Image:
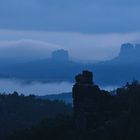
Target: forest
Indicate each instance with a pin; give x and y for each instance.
(18, 112)
(27, 118)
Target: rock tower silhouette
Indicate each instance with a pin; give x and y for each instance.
(87, 100)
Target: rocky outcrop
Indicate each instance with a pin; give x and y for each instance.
(87, 101)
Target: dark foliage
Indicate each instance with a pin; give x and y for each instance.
(19, 112)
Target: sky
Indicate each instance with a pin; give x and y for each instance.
(88, 29)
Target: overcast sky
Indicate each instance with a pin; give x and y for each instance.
(91, 28)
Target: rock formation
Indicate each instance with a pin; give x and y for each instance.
(60, 55)
(87, 101)
(130, 51)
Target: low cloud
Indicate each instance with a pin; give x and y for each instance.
(81, 46)
(85, 16)
(25, 50)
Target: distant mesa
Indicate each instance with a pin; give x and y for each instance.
(126, 48)
(130, 50)
(60, 55)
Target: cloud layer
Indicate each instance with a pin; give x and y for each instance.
(86, 16)
(34, 44)
(25, 50)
